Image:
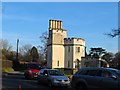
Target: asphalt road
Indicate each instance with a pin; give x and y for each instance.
(18, 82)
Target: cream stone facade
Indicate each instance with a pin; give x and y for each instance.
(63, 52)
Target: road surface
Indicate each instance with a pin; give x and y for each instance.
(18, 82)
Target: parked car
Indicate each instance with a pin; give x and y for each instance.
(104, 78)
(53, 77)
(32, 70)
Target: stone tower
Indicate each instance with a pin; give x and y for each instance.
(63, 52)
(55, 53)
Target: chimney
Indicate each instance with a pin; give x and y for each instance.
(50, 24)
(55, 24)
(60, 24)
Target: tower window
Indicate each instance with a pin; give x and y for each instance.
(68, 63)
(77, 49)
(57, 63)
(68, 48)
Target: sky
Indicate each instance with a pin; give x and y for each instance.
(59, 0)
(27, 21)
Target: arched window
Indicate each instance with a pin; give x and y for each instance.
(77, 63)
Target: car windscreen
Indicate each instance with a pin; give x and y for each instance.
(55, 73)
(34, 66)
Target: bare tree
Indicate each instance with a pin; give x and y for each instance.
(43, 47)
(116, 60)
(25, 49)
(4, 44)
(5, 49)
(114, 33)
(25, 52)
(108, 57)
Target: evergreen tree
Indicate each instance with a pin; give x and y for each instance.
(96, 52)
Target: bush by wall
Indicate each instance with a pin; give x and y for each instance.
(7, 66)
(6, 63)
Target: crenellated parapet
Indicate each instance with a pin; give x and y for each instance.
(74, 41)
(70, 39)
(59, 31)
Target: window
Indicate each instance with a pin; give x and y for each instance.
(77, 63)
(35, 66)
(57, 63)
(106, 74)
(68, 63)
(55, 73)
(45, 72)
(68, 48)
(116, 72)
(41, 72)
(93, 73)
(83, 72)
(77, 49)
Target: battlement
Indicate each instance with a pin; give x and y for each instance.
(74, 41)
(55, 24)
(58, 31)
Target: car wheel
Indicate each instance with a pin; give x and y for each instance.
(81, 86)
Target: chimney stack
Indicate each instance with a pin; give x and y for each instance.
(55, 24)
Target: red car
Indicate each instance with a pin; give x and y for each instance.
(32, 71)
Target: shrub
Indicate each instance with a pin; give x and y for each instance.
(8, 69)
